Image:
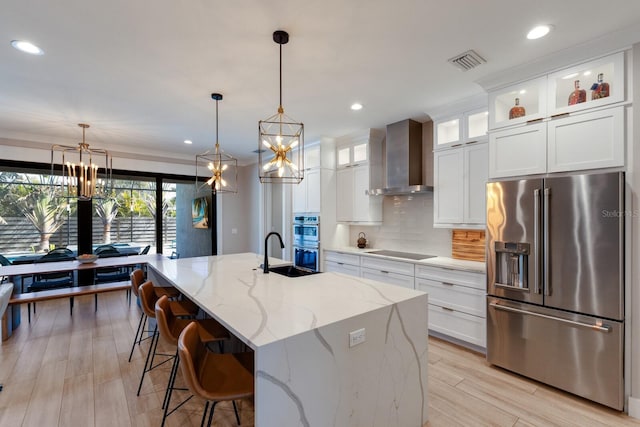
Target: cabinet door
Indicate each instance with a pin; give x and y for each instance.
(361, 208)
(448, 186)
(532, 97)
(344, 194)
(312, 157)
(300, 196)
(476, 161)
(518, 151)
(312, 177)
(340, 267)
(448, 132)
(587, 141)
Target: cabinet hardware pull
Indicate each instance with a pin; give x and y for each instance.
(341, 263)
(471, 142)
(385, 272)
(456, 145)
(555, 116)
(534, 120)
(448, 309)
(448, 284)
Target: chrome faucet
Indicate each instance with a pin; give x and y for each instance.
(265, 266)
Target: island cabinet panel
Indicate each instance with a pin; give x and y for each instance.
(457, 306)
(317, 379)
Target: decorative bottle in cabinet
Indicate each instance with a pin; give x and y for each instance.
(578, 95)
(599, 89)
(516, 111)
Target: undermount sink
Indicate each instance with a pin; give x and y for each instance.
(291, 271)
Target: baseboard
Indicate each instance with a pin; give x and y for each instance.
(634, 407)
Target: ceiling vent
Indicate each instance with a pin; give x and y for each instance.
(467, 60)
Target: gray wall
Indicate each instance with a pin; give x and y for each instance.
(237, 213)
(190, 242)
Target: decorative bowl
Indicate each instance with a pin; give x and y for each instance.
(86, 258)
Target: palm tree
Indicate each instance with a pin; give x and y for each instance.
(44, 208)
(107, 210)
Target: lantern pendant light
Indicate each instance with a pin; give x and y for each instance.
(223, 167)
(281, 140)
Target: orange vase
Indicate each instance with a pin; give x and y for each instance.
(578, 95)
(516, 111)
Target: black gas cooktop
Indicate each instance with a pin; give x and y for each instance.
(397, 254)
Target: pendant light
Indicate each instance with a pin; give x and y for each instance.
(281, 140)
(223, 167)
(86, 172)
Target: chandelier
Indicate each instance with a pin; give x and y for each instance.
(281, 140)
(223, 167)
(86, 173)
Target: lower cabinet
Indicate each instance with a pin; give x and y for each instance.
(342, 263)
(456, 302)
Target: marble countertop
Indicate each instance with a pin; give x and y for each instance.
(438, 261)
(261, 309)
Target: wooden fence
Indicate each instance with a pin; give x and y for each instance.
(20, 235)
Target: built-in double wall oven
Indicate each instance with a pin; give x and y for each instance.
(306, 241)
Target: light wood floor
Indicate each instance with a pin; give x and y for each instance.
(73, 371)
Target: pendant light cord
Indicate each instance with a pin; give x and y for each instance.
(217, 144)
(280, 75)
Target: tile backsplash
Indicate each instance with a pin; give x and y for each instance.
(407, 226)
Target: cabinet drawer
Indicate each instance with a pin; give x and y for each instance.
(456, 277)
(388, 277)
(459, 298)
(465, 327)
(340, 267)
(387, 265)
(343, 258)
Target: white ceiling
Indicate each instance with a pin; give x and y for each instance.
(141, 72)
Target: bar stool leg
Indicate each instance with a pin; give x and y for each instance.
(150, 354)
(235, 409)
(139, 332)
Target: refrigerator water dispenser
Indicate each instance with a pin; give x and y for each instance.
(511, 265)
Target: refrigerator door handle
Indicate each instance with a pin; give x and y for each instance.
(536, 241)
(545, 222)
(601, 328)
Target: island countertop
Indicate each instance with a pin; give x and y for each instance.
(264, 308)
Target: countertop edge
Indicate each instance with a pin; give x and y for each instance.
(438, 261)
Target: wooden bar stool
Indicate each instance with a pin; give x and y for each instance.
(214, 377)
(148, 299)
(170, 327)
(137, 279)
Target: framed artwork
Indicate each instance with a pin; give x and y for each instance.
(200, 213)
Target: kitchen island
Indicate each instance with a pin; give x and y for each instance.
(306, 373)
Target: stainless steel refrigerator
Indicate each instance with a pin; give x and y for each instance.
(555, 282)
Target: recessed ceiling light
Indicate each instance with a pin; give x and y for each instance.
(523, 91)
(27, 47)
(586, 73)
(188, 141)
(539, 31)
(356, 106)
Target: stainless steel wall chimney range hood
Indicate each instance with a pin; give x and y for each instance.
(403, 161)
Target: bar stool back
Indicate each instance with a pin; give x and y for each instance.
(170, 327)
(211, 376)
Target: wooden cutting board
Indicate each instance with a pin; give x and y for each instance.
(468, 245)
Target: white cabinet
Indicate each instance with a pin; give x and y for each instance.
(586, 141)
(460, 175)
(353, 204)
(589, 140)
(306, 194)
(392, 272)
(518, 151)
(342, 263)
(456, 302)
(557, 134)
(461, 128)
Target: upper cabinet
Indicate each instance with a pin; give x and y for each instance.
(469, 126)
(571, 119)
(355, 156)
(519, 103)
(589, 85)
(318, 161)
